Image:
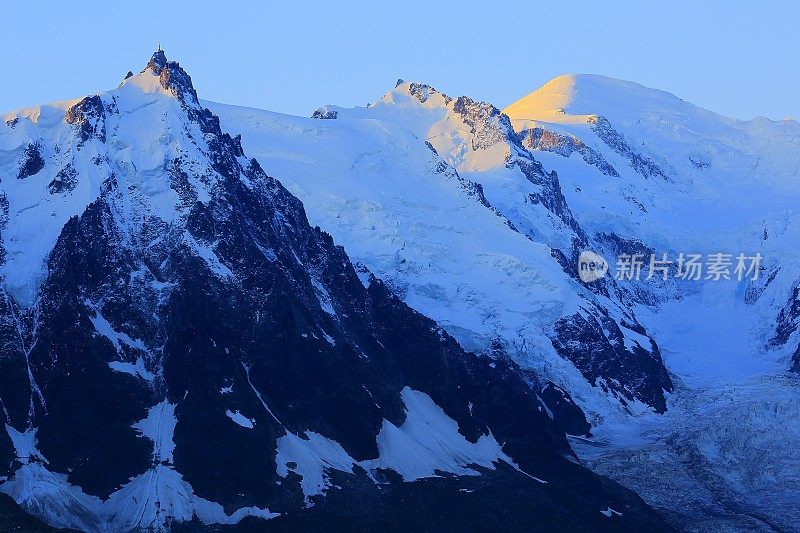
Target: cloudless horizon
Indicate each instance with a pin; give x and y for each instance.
(737, 60)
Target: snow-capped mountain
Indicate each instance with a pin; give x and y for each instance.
(482, 230)
(646, 166)
(437, 196)
(181, 346)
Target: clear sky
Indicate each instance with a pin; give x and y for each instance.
(738, 58)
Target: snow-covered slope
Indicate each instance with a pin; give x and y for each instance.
(694, 172)
(436, 196)
(180, 345)
(636, 171)
(722, 185)
(647, 166)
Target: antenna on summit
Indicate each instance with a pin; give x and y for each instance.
(159, 46)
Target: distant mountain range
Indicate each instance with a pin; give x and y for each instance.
(374, 318)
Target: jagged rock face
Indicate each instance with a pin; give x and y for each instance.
(413, 214)
(598, 349)
(6, 454)
(565, 412)
(633, 369)
(65, 180)
(489, 129)
(691, 182)
(325, 114)
(487, 126)
(430, 504)
(550, 196)
(795, 361)
(423, 92)
(650, 292)
(70, 358)
(616, 141)
(787, 319)
(310, 382)
(197, 352)
(173, 78)
(19, 400)
(637, 373)
(786, 325)
(89, 115)
(32, 161)
(539, 138)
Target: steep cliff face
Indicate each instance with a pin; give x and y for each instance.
(181, 346)
(441, 198)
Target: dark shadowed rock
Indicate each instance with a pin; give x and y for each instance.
(186, 346)
(32, 161)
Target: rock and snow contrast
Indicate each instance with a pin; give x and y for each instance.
(437, 197)
(181, 349)
(221, 316)
(648, 167)
(481, 232)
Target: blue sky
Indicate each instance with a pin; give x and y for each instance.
(737, 58)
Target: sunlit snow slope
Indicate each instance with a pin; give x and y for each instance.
(436, 196)
(640, 171)
(680, 178)
(180, 348)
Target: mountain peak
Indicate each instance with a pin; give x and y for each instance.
(552, 102)
(581, 98)
(421, 92)
(157, 62)
(162, 74)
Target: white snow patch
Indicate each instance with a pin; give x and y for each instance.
(328, 338)
(363, 274)
(150, 501)
(258, 394)
(323, 296)
(159, 427)
(311, 456)
(24, 444)
(104, 328)
(135, 369)
(269, 253)
(208, 254)
(429, 441)
(52, 498)
(240, 419)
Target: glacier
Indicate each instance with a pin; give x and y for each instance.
(683, 391)
(635, 165)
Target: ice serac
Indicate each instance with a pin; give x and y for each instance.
(177, 328)
(429, 193)
(687, 180)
